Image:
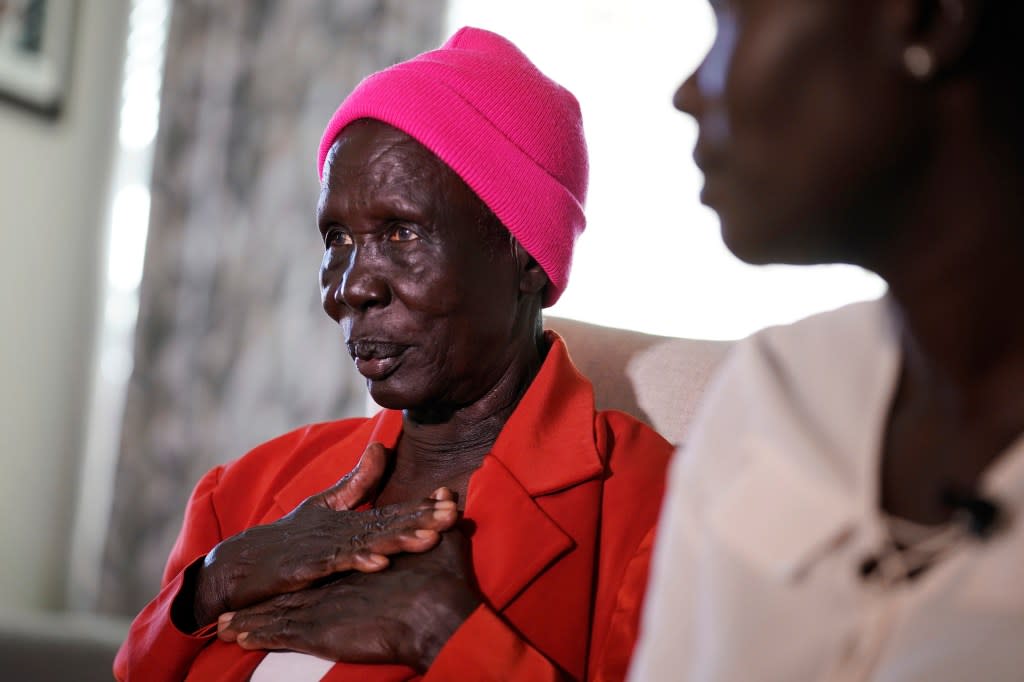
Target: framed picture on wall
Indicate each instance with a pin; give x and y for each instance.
(35, 51)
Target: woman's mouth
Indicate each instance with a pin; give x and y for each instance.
(375, 360)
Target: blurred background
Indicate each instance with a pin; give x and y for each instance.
(158, 253)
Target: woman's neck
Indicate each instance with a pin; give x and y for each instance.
(954, 275)
(953, 270)
(443, 447)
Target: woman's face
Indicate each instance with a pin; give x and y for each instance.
(423, 287)
(801, 112)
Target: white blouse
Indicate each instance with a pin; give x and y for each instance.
(772, 510)
(290, 666)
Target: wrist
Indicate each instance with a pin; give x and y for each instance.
(184, 613)
(207, 602)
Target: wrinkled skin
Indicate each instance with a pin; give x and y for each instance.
(389, 617)
(425, 290)
(319, 538)
(440, 310)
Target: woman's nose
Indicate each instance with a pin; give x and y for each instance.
(687, 98)
(363, 285)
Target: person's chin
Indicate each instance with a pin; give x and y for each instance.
(395, 392)
(757, 243)
(745, 241)
(386, 395)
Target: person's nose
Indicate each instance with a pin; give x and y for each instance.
(363, 284)
(352, 283)
(688, 97)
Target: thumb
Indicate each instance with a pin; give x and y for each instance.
(358, 485)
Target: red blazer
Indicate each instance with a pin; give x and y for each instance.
(564, 509)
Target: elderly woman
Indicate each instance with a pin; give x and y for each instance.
(853, 506)
(451, 196)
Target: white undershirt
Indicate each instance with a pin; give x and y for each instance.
(291, 666)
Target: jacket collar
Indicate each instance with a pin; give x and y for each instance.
(548, 443)
(336, 461)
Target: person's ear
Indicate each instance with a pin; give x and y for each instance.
(936, 35)
(532, 278)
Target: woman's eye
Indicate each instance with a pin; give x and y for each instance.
(400, 233)
(337, 238)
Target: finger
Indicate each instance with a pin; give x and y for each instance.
(358, 485)
(283, 607)
(426, 514)
(394, 529)
(405, 542)
(238, 631)
(367, 562)
(362, 541)
(225, 632)
(282, 634)
(443, 493)
(359, 541)
(375, 557)
(295, 622)
(341, 639)
(383, 523)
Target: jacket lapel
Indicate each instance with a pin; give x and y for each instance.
(384, 427)
(513, 539)
(535, 503)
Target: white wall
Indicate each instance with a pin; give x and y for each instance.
(651, 257)
(53, 187)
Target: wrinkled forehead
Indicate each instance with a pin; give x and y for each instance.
(371, 160)
(378, 152)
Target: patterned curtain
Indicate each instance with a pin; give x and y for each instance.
(232, 347)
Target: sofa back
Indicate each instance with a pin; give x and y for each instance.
(658, 379)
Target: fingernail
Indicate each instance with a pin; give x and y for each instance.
(443, 514)
(445, 504)
(225, 618)
(242, 637)
(424, 534)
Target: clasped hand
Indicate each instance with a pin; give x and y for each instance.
(301, 583)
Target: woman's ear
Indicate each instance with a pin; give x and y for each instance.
(532, 278)
(938, 35)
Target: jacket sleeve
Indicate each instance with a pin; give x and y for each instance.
(155, 648)
(486, 648)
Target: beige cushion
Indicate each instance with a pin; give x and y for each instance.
(657, 379)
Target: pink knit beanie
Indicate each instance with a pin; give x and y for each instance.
(510, 132)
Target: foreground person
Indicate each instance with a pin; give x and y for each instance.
(851, 505)
(452, 192)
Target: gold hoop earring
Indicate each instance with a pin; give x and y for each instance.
(919, 62)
